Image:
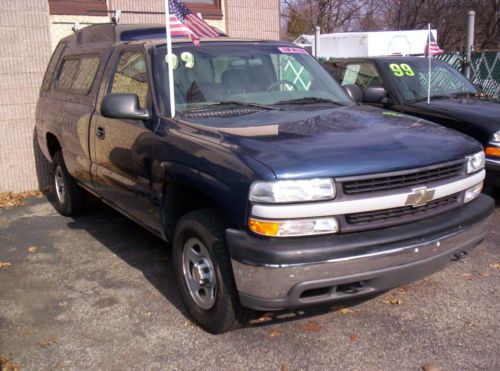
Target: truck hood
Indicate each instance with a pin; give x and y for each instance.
(484, 113)
(337, 142)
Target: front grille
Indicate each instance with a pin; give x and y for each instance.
(402, 214)
(384, 183)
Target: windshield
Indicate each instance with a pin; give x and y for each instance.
(266, 76)
(411, 78)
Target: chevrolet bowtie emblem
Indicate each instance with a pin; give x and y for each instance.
(420, 197)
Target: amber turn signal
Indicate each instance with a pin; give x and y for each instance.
(263, 228)
(492, 151)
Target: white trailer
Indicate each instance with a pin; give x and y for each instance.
(367, 44)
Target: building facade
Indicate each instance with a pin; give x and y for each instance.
(31, 29)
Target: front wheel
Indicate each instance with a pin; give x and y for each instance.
(69, 198)
(204, 274)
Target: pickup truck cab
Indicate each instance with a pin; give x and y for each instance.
(401, 84)
(274, 192)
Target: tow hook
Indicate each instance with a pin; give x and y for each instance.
(459, 256)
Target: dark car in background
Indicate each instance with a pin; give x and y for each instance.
(401, 84)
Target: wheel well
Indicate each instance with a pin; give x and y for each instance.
(179, 200)
(53, 144)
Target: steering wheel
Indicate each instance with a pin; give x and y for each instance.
(281, 82)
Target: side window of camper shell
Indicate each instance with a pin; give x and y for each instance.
(77, 73)
(51, 68)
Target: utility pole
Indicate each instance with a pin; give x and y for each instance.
(469, 44)
(316, 41)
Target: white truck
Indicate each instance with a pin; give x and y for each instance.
(367, 44)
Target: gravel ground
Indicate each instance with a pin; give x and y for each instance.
(97, 292)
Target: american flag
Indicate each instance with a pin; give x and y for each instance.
(431, 46)
(184, 23)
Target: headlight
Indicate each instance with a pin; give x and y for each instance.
(283, 191)
(473, 192)
(475, 162)
(495, 140)
(294, 228)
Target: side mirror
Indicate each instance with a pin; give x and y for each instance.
(375, 94)
(354, 91)
(123, 106)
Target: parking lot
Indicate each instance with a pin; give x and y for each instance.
(97, 292)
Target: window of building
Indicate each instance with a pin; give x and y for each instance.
(78, 7)
(77, 74)
(131, 76)
(210, 9)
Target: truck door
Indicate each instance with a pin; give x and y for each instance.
(122, 148)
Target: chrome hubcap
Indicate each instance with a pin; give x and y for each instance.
(59, 184)
(199, 273)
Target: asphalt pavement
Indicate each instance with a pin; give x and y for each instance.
(97, 292)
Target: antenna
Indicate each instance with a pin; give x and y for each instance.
(430, 66)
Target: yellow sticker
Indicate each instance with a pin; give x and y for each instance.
(188, 59)
(402, 69)
(174, 59)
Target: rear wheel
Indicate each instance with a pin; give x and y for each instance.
(69, 198)
(204, 274)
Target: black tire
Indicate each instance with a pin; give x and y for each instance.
(207, 226)
(72, 200)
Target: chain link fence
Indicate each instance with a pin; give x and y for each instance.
(485, 68)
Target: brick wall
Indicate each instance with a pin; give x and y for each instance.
(253, 19)
(25, 37)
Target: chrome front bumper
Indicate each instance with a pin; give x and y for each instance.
(268, 287)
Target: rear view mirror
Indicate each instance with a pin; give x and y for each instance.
(123, 106)
(375, 94)
(354, 92)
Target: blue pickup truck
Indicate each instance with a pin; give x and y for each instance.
(274, 188)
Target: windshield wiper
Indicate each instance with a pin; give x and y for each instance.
(223, 103)
(438, 96)
(464, 94)
(309, 100)
(448, 96)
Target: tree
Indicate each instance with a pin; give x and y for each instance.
(330, 15)
(449, 17)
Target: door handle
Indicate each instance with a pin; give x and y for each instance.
(100, 132)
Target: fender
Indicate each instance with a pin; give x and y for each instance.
(198, 180)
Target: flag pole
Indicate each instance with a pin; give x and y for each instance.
(430, 69)
(170, 60)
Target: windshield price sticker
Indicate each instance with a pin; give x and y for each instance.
(293, 50)
(402, 69)
(174, 59)
(188, 59)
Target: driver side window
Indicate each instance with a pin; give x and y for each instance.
(361, 74)
(131, 76)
